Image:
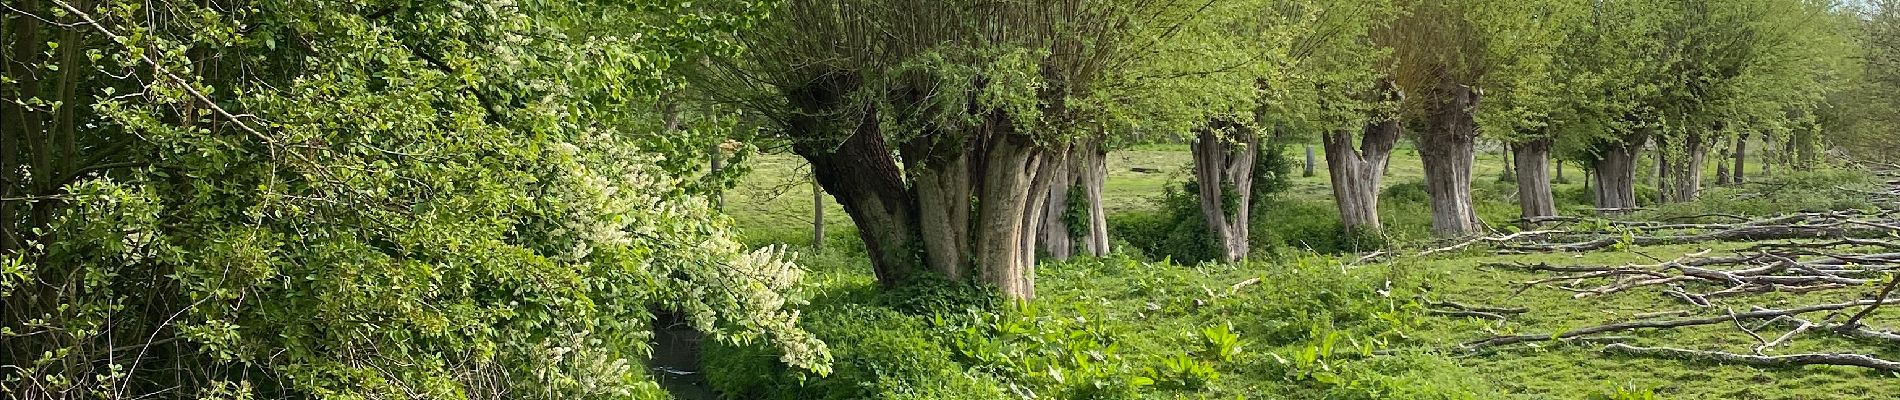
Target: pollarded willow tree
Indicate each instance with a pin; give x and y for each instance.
(1444, 53)
(940, 125)
(1610, 60)
(233, 199)
(1336, 82)
(1524, 102)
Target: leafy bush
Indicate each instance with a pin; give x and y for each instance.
(1405, 192)
(298, 204)
(878, 353)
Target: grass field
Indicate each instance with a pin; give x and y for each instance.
(1309, 323)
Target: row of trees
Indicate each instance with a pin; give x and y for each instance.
(953, 132)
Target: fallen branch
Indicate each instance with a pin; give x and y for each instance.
(1460, 306)
(1791, 360)
(1493, 239)
(1855, 320)
(1635, 325)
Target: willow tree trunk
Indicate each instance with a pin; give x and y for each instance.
(1614, 170)
(1560, 171)
(965, 202)
(1741, 158)
(1308, 172)
(1224, 168)
(1661, 181)
(1357, 174)
(1084, 174)
(1447, 152)
(817, 217)
(860, 173)
(1056, 242)
(1015, 179)
(1533, 179)
(1687, 169)
(1092, 179)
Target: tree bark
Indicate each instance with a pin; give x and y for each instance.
(1056, 242)
(1092, 179)
(1662, 170)
(1687, 169)
(1308, 172)
(864, 178)
(1357, 174)
(1560, 170)
(1533, 179)
(1741, 158)
(1222, 168)
(1015, 178)
(1614, 170)
(817, 216)
(1447, 152)
(1084, 173)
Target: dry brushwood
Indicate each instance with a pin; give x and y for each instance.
(1842, 359)
(1660, 324)
(1814, 251)
(1771, 269)
(1847, 225)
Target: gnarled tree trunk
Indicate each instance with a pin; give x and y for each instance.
(1357, 174)
(1447, 152)
(1084, 174)
(1223, 166)
(1015, 179)
(920, 214)
(1614, 170)
(863, 177)
(1533, 178)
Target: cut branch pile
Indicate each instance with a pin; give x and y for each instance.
(1765, 269)
(1845, 251)
(1848, 224)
